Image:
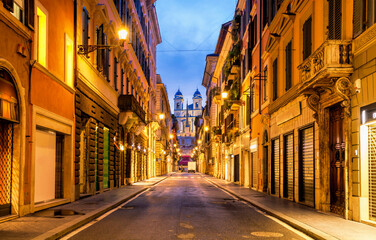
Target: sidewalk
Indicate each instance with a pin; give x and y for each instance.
(42, 225)
(316, 224)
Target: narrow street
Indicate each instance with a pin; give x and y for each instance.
(185, 206)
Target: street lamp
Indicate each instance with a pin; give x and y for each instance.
(161, 116)
(206, 128)
(199, 141)
(171, 136)
(224, 95)
(86, 49)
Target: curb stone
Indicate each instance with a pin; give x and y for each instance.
(310, 231)
(66, 228)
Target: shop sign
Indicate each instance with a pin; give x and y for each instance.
(368, 113)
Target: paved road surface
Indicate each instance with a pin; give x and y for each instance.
(185, 206)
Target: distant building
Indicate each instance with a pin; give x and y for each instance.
(186, 120)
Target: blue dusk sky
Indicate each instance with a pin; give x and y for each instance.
(189, 30)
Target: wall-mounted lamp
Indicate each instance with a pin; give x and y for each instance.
(86, 49)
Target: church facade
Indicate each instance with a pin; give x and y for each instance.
(186, 115)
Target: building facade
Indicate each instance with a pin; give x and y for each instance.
(290, 123)
(186, 120)
(78, 104)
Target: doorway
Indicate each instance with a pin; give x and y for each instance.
(337, 161)
(236, 168)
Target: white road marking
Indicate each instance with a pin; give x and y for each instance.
(301, 234)
(68, 236)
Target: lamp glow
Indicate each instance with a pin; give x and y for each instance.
(206, 128)
(224, 95)
(123, 34)
(161, 116)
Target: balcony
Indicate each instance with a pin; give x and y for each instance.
(231, 124)
(132, 109)
(331, 60)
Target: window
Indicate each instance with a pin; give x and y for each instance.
(288, 66)
(69, 51)
(253, 34)
(100, 52)
(275, 79)
(85, 27)
(122, 82)
(41, 36)
(364, 15)
(253, 98)
(265, 82)
(196, 105)
(17, 9)
(265, 13)
(115, 73)
(335, 19)
(307, 38)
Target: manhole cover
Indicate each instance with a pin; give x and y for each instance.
(267, 234)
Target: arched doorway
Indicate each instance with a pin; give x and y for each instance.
(9, 116)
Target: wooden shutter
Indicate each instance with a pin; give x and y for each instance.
(288, 66)
(100, 52)
(306, 167)
(122, 82)
(335, 19)
(288, 167)
(275, 79)
(275, 167)
(29, 11)
(8, 4)
(358, 18)
(307, 38)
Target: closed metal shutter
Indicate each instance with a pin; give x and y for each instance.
(306, 170)
(254, 169)
(372, 171)
(6, 156)
(275, 167)
(288, 167)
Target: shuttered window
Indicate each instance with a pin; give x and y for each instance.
(115, 74)
(265, 84)
(85, 27)
(306, 167)
(275, 79)
(275, 167)
(335, 19)
(288, 167)
(288, 66)
(100, 52)
(122, 82)
(307, 38)
(29, 5)
(106, 64)
(265, 13)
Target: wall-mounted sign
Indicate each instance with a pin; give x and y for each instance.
(368, 113)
